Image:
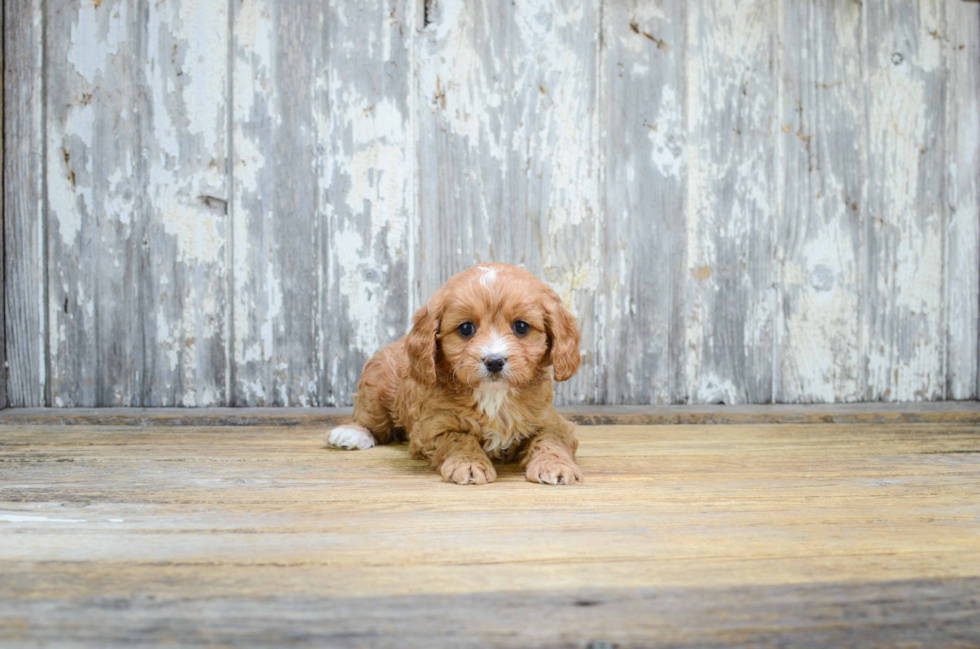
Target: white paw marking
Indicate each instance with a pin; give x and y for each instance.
(350, 436)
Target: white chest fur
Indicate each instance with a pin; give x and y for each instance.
(504, 428)
(493, 403)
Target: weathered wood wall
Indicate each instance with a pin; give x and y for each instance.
(3, 341)
(237, 202)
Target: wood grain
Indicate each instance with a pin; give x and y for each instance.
(3, 302)
(508, 152)
(884, 614)
(25, 319)
(237, 203)
(962, 143)
(641, 293)
(247, 535)
(904, 88)
(275, 205)
(184, 119)
(323, 243)
(94, 191)
(730, 212)
(820, 242)
(369, 178)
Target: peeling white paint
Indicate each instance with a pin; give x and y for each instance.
(96, 36)
(198, 231)
(667, 136)
(74, 141)
(715, 389)
(517, 120)
(358, 293)
(203, 67)
(904, 360)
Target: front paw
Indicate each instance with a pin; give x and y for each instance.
(350, 436)
(550, 470)
(467, 470)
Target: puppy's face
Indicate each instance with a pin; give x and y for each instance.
(493, 327)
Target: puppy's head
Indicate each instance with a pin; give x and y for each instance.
(494, 326)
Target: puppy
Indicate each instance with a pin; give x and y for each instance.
(471, 382)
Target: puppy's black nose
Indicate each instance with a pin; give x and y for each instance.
(494, 363)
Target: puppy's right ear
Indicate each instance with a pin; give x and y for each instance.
(421, 345)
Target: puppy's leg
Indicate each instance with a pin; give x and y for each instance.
(372, 422)
(450, 444)
(459, 458)
(549, 456)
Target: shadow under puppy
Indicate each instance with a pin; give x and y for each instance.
(471, 382)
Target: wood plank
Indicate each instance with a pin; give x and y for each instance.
(692, 533)
(136, 177)
(94, 186)
(25, 319)
(322, 244)
(275, 205)
(643, 241)
(731, 190)
(660, 498)
(859, 413)
(508, 150)
(962, 143)
(905, 218)
(3, 319)
(889, 613)
(820, 241)
(368, 183)
(184, 115)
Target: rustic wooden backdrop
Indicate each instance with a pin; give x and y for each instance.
(236, 202)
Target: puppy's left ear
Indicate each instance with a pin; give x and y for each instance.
(421, 343)
(564, 337)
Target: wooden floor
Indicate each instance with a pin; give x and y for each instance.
(801, 535)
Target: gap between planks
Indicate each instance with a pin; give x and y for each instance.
(856, 413)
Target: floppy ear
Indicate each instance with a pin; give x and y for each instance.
(421, 345)
(563, 336)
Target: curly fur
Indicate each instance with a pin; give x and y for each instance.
(432, 388)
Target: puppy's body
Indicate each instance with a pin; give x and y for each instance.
(462, 399)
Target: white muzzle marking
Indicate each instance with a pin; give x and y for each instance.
(496, 346)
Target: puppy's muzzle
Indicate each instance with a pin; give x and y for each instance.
(495, 364)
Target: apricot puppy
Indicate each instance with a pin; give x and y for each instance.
(471, 382)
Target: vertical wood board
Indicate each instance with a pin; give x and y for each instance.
(904, 88)
(962, 272)
(3, 332)
(25, 318)
(94, 198)
(368, 177)
(184, 123)
(277, 56)
(820, 240)
(641, 291)
(730, 212)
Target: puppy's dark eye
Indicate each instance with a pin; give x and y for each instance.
(521, 328)
(466, 329)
